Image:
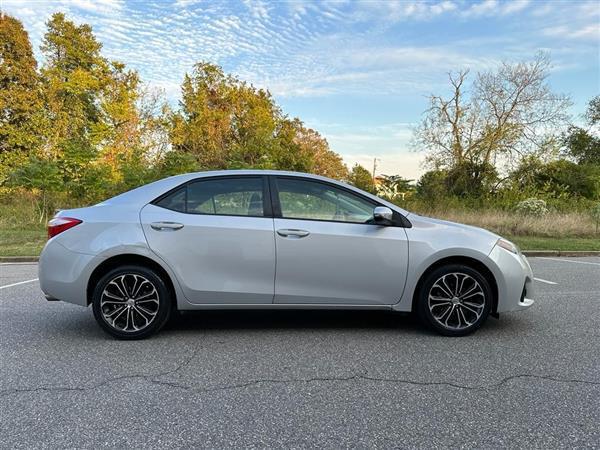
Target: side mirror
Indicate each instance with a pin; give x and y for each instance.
(382, 215)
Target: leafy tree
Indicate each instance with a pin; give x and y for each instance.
(74, 74)
(573, 179)
(393, 186)
(362, 179)
(41, 177)
(226, 123)
(432, 185)
(20, 99)
(312, 154)
(556, 179)
(582, 144)
(505, 114)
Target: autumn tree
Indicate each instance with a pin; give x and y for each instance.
(503, 115)
(74, 73)
(226, 123)
(20, 100)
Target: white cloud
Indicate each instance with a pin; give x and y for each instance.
(515, 6)
(591, 32)
(487, 8)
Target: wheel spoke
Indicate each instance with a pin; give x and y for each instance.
(446, 303)
(113, 296)
(116, 284)
(474, 305)
(146, 295)
(462, 313)
(469, 309)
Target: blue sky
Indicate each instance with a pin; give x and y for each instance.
(358, 72)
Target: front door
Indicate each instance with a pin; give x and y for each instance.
(328, 252)
(216, 236)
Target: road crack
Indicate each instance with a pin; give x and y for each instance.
(154, 379)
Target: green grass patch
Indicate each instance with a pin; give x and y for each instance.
(556, 243)
(27, 241)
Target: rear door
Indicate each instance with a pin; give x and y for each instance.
(217, 235)
(329, 252)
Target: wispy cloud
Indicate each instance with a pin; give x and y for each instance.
(355, 54)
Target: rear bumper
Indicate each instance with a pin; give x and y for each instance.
(63, 274)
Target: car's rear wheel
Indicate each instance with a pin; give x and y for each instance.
(454, 300)
(131, 302)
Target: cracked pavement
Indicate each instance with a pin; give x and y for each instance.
(304, 379)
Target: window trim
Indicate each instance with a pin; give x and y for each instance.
(398, 219)
(266, 196)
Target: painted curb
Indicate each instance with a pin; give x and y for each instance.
(18, 259)
(559, 253)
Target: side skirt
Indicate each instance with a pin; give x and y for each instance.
(276, 306)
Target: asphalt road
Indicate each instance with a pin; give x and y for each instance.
(304, 379)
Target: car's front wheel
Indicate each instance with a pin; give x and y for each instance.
(454, 300)
(131, 302)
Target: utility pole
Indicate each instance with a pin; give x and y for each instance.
(374, 167)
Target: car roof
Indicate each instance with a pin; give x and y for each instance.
(147, 193)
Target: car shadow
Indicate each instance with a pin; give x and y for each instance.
(290, 319)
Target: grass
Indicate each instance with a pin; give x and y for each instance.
(561, 244)
(22, 234)
(27, 241)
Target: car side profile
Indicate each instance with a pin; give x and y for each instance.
(277, 240)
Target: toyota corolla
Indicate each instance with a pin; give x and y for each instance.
(276, 240)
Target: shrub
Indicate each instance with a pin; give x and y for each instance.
(595, 213)
(532, 207)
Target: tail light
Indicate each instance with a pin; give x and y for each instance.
(60, 224)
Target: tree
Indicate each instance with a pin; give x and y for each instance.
(223, 122)
(505, 114)
(432, 185)
(582, 144)
(74, 74)
(42, 177)
(362, 179)
(20, 99)
(393, 186)
(312, 154)
(226, 123)
(559, 178)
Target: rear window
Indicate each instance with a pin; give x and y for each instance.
(224, 196)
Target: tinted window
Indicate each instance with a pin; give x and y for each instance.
(227, 196)
(303, 199)
(174, 201)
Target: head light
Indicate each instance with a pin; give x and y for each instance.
(506, 245)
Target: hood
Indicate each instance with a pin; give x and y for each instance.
(453, 225)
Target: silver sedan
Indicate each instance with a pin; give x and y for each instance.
(276, 240)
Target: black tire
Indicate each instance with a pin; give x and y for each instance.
(462, 314)
(151, 310)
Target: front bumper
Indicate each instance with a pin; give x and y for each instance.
(515, 281)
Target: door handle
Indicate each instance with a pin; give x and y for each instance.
(287, 232)
(162, 226)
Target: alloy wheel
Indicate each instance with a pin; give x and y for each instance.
(129, 302)
(456, 301)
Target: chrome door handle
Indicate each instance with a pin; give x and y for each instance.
(162, 226)
(287, 232)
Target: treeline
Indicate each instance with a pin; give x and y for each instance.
(80, 127)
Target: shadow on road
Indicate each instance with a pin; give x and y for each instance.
(257, 319)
